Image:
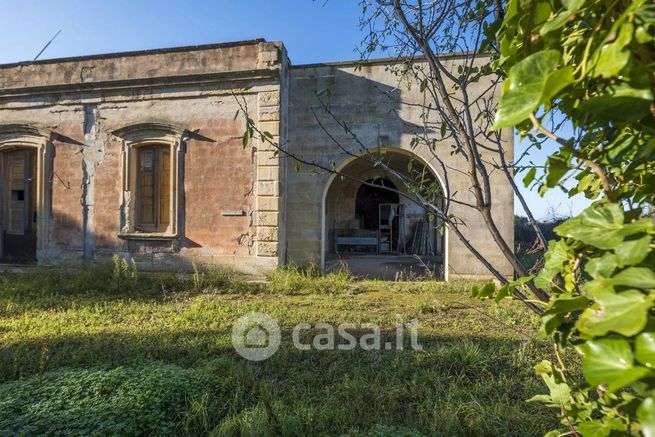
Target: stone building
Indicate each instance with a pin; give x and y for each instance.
(140, 154)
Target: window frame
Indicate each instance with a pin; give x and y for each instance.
(24, 136)
(135, 138)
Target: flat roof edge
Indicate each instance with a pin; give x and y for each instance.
(387, 60)
(135, 53)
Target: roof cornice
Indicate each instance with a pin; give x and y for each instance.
(154, 82)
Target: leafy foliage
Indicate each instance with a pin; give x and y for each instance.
(593, 63)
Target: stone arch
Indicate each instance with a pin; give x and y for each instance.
(378, 172)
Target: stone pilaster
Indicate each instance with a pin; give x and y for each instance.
(267, 216)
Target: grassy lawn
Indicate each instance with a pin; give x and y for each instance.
(100, 352)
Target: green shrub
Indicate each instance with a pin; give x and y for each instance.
(143, 400)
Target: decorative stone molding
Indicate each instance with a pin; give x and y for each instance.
(142, 134)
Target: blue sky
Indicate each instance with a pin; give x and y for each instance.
(313, 31)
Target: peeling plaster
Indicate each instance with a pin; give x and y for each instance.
(93, 154)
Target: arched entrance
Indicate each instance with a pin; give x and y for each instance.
(372, 224)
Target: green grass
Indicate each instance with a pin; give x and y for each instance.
(114, 353)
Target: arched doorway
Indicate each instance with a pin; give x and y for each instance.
(371, 222)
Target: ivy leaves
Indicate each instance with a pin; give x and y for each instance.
(625, 313)
(611, 362)
(531, 82)
(594, 64)
(645, 349)
(632, 252)
(601, 274)
(610, 58)
(602, 226)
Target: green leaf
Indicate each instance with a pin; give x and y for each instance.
(555, 23)
(560, 392)
(543, 366)
(566, 305)
(487, 291)
(646, 415)
(557, 81)
(645, 349)
(600, 427)
(549, 323)
(619, 103)
(246, 138)
(554, 260)
(638, 277)
(598, 285)
(527, 87)
(503, 292)
(610, 59)
(625, 313)
(610, 361)
(603, 266)
(601, 225)
(633, 252)
(557, 167)
(573, 5)
(529, 177)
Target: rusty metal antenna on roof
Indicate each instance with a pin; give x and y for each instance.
(46, 46)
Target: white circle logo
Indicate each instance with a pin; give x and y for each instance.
(256, 336)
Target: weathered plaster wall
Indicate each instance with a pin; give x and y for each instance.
(151, 64)
(66, 178)
(97, 95)
(382, 111)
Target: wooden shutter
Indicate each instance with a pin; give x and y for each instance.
(164, 188)
(146, 188)
(154, 188)
(17, 196)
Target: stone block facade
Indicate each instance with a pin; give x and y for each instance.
(88, 120)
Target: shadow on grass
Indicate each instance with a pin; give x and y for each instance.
(60, 289)
(193, 382)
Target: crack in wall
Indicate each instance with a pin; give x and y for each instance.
(93, 154)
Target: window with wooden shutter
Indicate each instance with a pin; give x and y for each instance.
(153, 192)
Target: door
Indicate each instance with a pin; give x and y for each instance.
(19, 206)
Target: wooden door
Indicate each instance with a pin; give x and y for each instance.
(19, 206)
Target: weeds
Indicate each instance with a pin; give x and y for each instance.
(153, 356)
(295, 280)
(124, 274)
